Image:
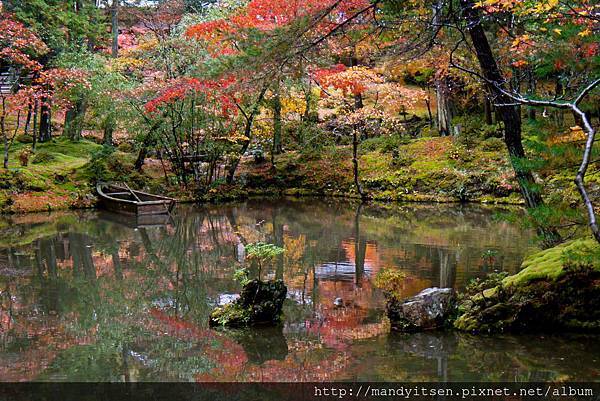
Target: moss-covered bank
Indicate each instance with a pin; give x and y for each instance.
(558, 289)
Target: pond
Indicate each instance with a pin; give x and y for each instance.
(92, 296)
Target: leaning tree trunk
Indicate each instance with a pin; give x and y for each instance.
(508, 113)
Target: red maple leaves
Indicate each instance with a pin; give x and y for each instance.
(214, 90)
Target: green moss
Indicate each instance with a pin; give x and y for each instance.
(231, 315)
(557, 289)
(549, 264)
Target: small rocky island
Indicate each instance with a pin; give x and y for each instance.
(260, 303)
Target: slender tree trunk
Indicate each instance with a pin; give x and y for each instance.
(358, 99)
(487, 108)
(444, 111)
(34, 135)
(248, 134)
(276, 147)
(531, 88)
(115, 28)
(109, 128)
(4, 133)
(430, 115)
(45, 129)
(443, 107)
(28, 118)
(234, 165)
(508, 112)
(355, 164)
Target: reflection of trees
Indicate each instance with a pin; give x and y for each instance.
(113, 291)
(360, 247)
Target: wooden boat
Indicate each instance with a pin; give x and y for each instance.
(122, 199)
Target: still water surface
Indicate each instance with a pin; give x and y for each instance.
(91, 296)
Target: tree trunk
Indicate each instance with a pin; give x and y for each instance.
(34, 134)
(4, 133)
(355, 164)
(443, 108)
(28, 118)
(276, 146)
(531, 92)
(248, 134)
(115, 28)
(234, 165)
(45, 131)
(74, 118)
(508, 113)
(487, 108)
(444, 112)
(109, 128)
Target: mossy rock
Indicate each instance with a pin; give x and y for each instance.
(260, 303)
(557, 290)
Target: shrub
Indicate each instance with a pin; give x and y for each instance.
(24, 139)
(305, 136)
(42, 156)
(460, 153)
(384, 143)
(125, 147)
(391, 282)
(472, 129)
(492, 145)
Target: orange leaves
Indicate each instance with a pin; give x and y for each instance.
(267, 15)
(354, 80)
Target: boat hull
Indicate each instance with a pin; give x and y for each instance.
(147, 204)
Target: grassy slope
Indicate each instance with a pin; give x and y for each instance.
(48, 185)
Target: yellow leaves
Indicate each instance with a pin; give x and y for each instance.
(518, 6)
(520, 39)
(126, 63)
(557, 31)
(575, 134)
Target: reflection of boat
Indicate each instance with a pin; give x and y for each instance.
(140, 221)
(122, 199)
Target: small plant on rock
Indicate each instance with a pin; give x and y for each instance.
(260, 254)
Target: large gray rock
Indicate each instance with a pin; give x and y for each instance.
(428, 310)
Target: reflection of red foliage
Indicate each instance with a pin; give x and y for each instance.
(228, 356)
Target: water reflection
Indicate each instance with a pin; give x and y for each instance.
(94, 296)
